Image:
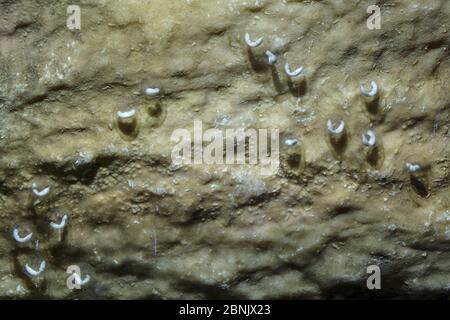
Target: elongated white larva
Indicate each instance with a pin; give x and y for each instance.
(294, 73)
(80, 281)
(152, 91)
(60, 225)
(373, 91)
(20, 239)
(369, 139)
(38, 193)
(126, 114)
(33, 272)
(251, 43)
(338, 130)
(290, 142)
(271, 58)
(412, 168)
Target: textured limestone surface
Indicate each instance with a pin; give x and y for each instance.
(141, 227)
